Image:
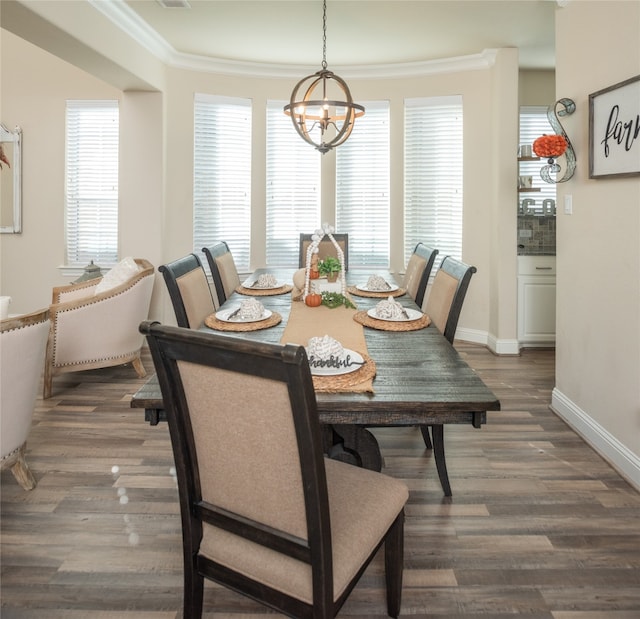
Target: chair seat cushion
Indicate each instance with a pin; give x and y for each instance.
(363, 505)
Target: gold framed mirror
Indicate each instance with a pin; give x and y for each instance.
(10, 180)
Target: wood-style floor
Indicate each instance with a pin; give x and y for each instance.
(539, 526)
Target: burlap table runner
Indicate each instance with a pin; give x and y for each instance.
(307, 322)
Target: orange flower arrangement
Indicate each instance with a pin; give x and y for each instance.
(550, 146)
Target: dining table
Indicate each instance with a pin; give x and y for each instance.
(412, 375)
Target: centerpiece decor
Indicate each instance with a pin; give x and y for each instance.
(311, 257)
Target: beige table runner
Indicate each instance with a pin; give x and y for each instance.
(307, 322)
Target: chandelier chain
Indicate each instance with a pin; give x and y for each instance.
(324, 34)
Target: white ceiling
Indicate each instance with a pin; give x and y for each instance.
(359, 32)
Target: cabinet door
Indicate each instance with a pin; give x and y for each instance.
(536, 309)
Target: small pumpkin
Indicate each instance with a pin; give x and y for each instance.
(313, 299)
(314, 274)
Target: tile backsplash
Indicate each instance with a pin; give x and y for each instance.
(536, 235)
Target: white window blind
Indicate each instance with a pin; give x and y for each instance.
(222, 175)
(433, 175)
(362, 188)
(293, 188)
(91, 182)
(533, 124)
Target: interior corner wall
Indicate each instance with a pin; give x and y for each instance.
(598, 246)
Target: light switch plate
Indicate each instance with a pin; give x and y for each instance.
(568, 204)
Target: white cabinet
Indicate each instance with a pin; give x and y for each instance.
(536, 300)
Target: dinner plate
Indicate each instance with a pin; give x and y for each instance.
(224, 316)
(349, 362)
(412, 313)
(364, 288)
(252, 286)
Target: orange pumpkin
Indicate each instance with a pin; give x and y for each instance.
(313, 299)
(314, 274)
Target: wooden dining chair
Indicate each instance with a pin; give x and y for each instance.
(325, 248)
(418, 271)
(223, 269)
(443, 306)
(264, 513)
(189, 291)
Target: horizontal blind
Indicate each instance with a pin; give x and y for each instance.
(362, 187)
(222, 175)
(293, 188)
(533, 124)
(433, 175)
(91, 182)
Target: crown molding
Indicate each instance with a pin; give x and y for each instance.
(130, 23)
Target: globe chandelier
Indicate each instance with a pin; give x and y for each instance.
(326, 109)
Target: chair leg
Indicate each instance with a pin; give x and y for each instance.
(425, 437)
(22, 472)
(441, 464)
(193, 593)
(394, 565)
(139, 368)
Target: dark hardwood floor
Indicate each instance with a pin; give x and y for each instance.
(538, 525)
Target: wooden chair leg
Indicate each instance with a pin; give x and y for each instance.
(394, 565)
(22, 472)
(438, 452)
(139, 368)
(425, 437)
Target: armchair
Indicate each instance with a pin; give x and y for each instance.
(22, 344)
(90, 330)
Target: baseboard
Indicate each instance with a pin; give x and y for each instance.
(499, 347)
(622, 459)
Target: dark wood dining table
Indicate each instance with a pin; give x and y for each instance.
(420, 380)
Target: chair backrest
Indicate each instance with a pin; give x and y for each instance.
(449, 289)
(325, 248)
(189, 291)
(22, 348)
(247, 447)
(418, 270)
(223, 269)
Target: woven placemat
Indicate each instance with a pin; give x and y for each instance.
(220, 325)
(346, 382)
(388, 325)
(264, 292)
(384, 294)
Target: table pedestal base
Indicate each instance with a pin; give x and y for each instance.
(353, 445)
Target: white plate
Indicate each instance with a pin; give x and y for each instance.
(363, 288)
(413, 315)
(224, 316)
(356, 362)
(254, 287)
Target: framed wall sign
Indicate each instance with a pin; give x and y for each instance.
(10, 180)
(614, 130)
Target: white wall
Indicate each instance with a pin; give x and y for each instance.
(598, 247)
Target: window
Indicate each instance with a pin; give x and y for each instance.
(533, 124)
(222, 175)
(433, 175)
(362, 188)
(293, 188)
(91, 182)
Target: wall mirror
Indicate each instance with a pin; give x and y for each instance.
(10, 180)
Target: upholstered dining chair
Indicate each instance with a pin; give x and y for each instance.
(223, 269)
(443, 306)
(189, 291)
(416, 276)
(22, 344)
(263, 512)
(93, 326)
(325, 248)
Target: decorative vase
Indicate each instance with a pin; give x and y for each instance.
(332, 277)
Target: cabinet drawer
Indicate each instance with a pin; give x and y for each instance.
(536, 265)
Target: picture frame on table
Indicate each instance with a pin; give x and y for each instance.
(614, 130)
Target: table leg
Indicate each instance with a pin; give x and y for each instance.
(355, 445)
(437, 432)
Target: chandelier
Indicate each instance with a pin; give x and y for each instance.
(326, 106)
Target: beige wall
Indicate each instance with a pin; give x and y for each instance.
(598, 247)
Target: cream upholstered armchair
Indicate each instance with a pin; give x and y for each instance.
(94, 328)
(22, 343)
